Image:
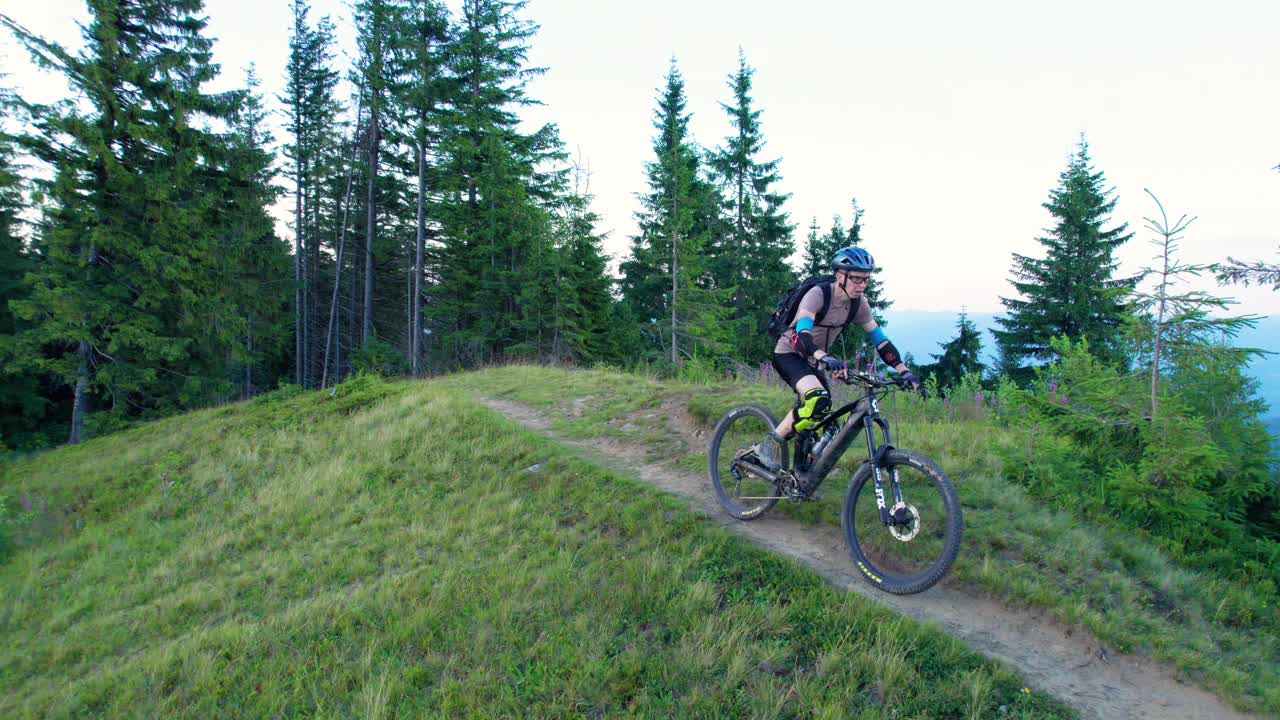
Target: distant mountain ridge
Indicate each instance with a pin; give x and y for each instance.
(921, 332)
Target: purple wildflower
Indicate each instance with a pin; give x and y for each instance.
(947, 402)
(978, 397)
(1022, 411)
(1064, 400)
(25, 502)
(1053, 386)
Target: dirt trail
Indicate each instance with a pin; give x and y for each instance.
(1073, 668)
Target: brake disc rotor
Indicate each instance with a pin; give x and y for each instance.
(905, 532)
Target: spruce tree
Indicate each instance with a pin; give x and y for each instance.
(570, 307)
(821, 247)
(1186, 337)
(252, 257)
(749, 259)
(586, 268)
(812, 261)
(497, 188)
(375, 24)
(665, 281)
(874, 292)
(1072, 290)
(960, 356)
(22, 406)
(422, 94)
(312, 109)
(125, 301)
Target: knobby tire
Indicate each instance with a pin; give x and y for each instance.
(743, 414)
(883, 578)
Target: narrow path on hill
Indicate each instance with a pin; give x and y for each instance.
(1072, 667)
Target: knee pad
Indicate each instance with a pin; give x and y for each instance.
(812, 409)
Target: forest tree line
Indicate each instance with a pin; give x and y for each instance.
(142, 274)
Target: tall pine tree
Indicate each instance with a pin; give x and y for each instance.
(1072, 290)
(960, 356)
(312, 109)
(252, 258)
(820, 248)
(874, 293)
(749, 256)
(665, 282)
(572, 305)
(497, 188)
(125, 303)
(375, 24)
(23, 404)
(422, 92)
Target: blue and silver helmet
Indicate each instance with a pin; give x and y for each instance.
(853, 258)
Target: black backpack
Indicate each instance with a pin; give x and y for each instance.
(785, 313)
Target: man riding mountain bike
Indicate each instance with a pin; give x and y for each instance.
(805, 344)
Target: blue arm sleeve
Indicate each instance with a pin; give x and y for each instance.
(878, 336)
(804, 323)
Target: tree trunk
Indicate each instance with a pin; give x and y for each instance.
(334, 326)
(1155, 360)
(375, 136)
(314, 312)
(306, 294)
(337, 281)
(248, 364)
(81, 404)
(416, 329)
(675, 274)
(297, 278)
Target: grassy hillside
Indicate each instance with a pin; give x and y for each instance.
(397, 550)
(1223, 634)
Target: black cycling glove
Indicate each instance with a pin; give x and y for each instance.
(833, 363)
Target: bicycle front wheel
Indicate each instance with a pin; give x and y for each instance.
(918, 546)
(744, 495)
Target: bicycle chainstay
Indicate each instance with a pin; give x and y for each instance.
(788, 486)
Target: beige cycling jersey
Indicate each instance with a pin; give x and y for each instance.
(837, 317)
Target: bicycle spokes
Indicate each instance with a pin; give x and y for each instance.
(737, 474)
(905, 534)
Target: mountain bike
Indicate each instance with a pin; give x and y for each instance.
(901, 545)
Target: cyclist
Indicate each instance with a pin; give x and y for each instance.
(804, 345)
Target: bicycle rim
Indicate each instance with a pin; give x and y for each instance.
(743, 495)
(910, 557)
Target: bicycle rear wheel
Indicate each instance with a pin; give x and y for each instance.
(744, 495)
(914, 553)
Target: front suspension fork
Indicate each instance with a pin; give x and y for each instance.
(877, 455)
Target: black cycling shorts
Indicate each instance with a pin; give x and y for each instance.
(791, 367)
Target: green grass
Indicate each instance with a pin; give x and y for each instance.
(397, 550)
(1122, 589)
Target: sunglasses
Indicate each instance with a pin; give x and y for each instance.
(859, 279)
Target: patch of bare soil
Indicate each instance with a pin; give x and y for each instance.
(1068, 664)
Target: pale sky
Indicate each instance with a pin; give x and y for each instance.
(949, 122)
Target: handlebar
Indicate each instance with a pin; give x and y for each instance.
(857, 377)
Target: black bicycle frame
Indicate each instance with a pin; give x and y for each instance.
(864, 414)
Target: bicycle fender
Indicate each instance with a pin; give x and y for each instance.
(881, 452)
